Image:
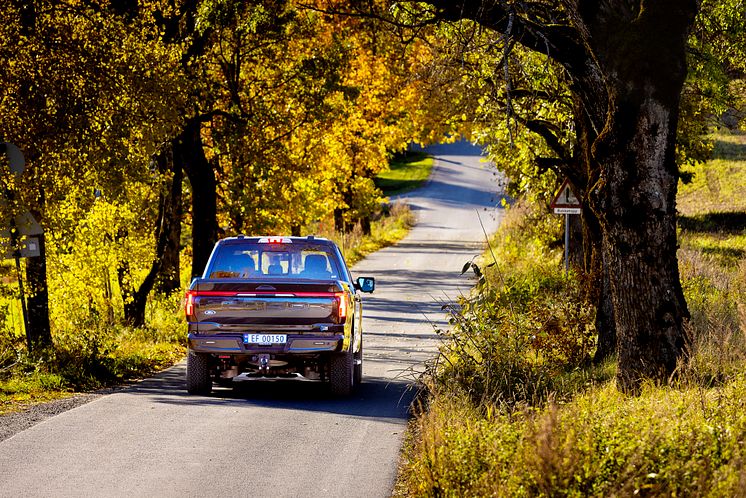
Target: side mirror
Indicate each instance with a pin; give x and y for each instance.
(365, 284)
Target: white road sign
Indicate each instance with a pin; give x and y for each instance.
(565, 201)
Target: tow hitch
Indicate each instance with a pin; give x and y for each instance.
(263, 363)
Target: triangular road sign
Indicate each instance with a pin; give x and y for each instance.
(565, 196)
(565, 201)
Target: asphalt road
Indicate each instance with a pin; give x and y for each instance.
(279, 438)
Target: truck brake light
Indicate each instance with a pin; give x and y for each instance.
(341, 305)
(189, 306)
(275, 240)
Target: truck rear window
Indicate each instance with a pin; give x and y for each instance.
(256, 260)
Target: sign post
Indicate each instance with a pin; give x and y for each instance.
(21, 224)
(567, 203)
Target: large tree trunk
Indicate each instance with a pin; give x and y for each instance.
(600, 290)
(636, 196)
(191, 156)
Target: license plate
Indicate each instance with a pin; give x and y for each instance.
(265, 339)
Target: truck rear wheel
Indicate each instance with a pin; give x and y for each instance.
(198, 380)
(342, 373)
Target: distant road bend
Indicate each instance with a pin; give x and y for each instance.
(281, 439)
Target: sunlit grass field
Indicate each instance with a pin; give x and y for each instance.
(406, 173)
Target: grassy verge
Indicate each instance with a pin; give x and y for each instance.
(406, 172)
(516, 408)
(101, 351)
(96, 354)
(386, 231)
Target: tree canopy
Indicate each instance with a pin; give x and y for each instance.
(276, 114)
(600, 93)
(228, 116)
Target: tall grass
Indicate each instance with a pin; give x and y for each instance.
(389, 226)
(666, 442)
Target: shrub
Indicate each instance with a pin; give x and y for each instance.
(516, 337)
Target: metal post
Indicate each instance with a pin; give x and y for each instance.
(23, 301)
(567, 244)
(15, 245)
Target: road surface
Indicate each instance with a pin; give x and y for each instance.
(279, 439)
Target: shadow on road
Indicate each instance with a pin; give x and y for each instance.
(460, 148)
(374, 399)
(448, 194)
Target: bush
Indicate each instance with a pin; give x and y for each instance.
(512, 341)
(664, 443)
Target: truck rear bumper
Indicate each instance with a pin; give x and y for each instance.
(233, 344)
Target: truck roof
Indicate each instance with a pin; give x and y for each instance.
(274, 239)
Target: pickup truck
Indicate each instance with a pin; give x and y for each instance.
(275, 307)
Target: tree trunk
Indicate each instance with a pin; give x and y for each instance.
(365, 225)
(576, 253)
(605, 324)
(135, 301)
(169, 275)
(600, 289)
(191, 157)
(134, 304)
(636, 196)
(164, 270)
(339, 220)
(39, 333)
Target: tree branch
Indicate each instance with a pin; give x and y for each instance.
(545, 130)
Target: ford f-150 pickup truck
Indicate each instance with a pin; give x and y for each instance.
(275, 307)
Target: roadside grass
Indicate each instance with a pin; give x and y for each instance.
(97, 351)
(515, 407)
(666, 442)
(386, 231)
(406, 172)
(94, 354)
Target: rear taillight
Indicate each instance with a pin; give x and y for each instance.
(341, 298)
(189, 306)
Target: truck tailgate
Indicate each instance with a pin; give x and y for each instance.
(226, 306)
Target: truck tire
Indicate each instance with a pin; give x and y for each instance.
(198, 380)
(342, 373)
(358, 372)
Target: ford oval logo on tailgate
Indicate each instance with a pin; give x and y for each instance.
(210, 312)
